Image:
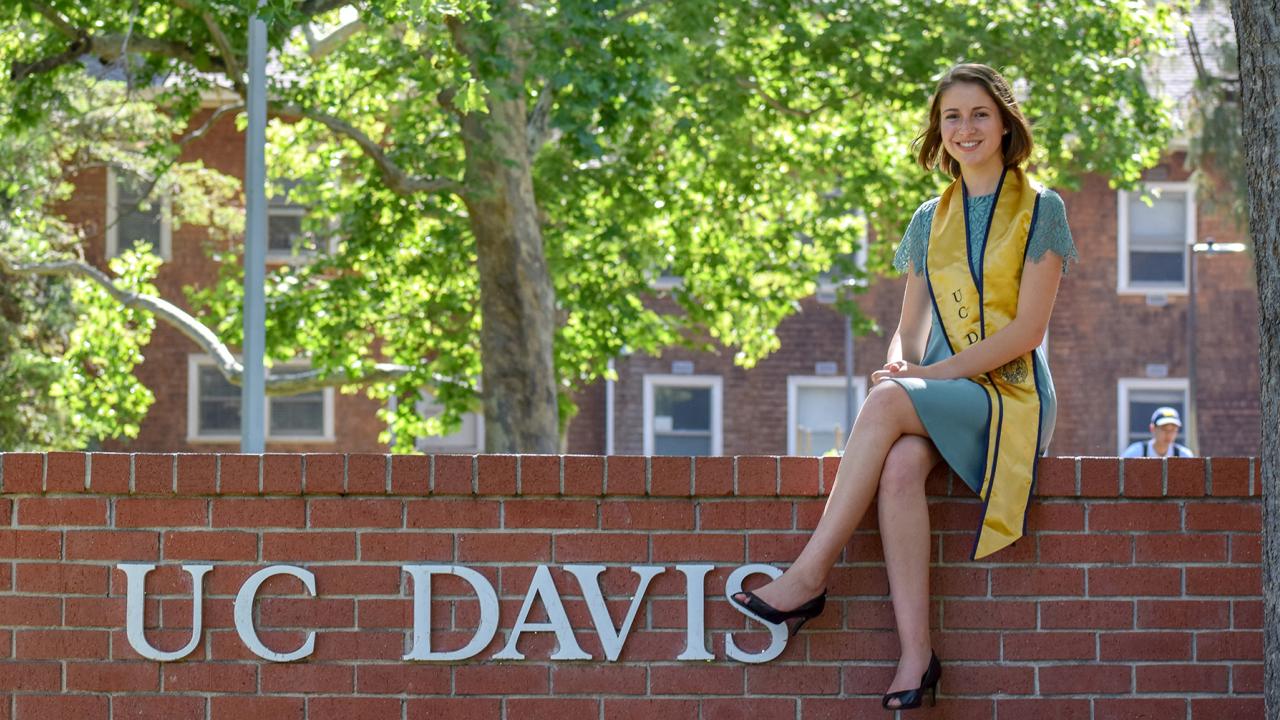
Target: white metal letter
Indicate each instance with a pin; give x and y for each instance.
(244, 613)
(589, 578)
(558, 622)
(695, 583)
(778, 633)
(422, 612)
(135, 598)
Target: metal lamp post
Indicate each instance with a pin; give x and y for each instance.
(253, 389)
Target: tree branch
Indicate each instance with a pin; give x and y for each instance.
(624, 15)
(538, 128)
(292, 383)
(775, 103)
(64, 26)
(319, 48)
(234, 71)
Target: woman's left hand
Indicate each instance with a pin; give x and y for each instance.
(900, 369)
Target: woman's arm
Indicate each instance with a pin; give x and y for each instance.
(908, 342)
(1035, 303)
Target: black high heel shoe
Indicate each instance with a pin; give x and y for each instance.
(911, 699)
(763, 611)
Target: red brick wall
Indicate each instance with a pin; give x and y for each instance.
(1137, 593)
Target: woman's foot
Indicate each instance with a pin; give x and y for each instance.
(910, 671)
(786, 593)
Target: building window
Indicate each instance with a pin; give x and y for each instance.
(1138, 398)
(286, 240)
(816, 413)
(468, 439)
(213, 408)
(682, 415)
(132, 218)
(1153, 240)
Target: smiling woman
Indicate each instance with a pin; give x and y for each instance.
(964, 381)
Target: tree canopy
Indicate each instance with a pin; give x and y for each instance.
(505, 181)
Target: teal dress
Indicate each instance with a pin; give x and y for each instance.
(954, 412)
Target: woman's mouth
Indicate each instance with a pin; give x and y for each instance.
(968, 145)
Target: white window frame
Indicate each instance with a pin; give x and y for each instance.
(795, 382)
(453, 443)
(715, 382)
(197, 361)
(113, 214)
(1124, 388)
(1123, 286)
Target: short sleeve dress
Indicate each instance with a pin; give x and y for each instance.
(954, 412)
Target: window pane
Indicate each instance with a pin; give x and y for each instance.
(682, 408)
(298, 415)
(284, 233)
(681, 444)
(1162, 225)
(219, 404)
(1156, 267)
(1142, 403)
(134, 223)
(820, 419)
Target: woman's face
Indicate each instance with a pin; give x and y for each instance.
(972, 129)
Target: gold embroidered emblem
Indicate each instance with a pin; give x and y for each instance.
(1013, 372)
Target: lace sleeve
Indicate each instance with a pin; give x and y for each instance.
(915, 241)
(1051, 232)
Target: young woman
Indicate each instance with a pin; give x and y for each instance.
(964, 381)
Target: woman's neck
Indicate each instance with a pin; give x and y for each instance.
(981, 180)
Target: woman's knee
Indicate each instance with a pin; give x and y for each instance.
(907, 466)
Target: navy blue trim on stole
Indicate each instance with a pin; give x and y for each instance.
(1035, 464)
(968, 246)
(1035, 215)
(933, 300)
(995, 456)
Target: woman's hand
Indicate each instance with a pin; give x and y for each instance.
(901, 369)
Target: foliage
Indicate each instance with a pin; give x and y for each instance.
(1215, 121)
(745, 148)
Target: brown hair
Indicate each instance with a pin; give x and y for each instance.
(1015, 146)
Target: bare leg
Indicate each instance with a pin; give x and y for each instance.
(886, 416)
(904, 532)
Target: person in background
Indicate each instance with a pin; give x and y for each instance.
(1165, 423)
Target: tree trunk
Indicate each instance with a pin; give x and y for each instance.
(1258, 35)
(517, 300)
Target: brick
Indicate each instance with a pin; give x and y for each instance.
(993, 614)
(1143, 477)
(712, 476)
(30, 676)
(1069, 679)
(40, 707)
(598, 680)
(1229, 708)
(324, 474)
(301, 546)
(671, 476)
(307, 678)
(1180, 614)
(1144, 646)
(61, 644)
(281, 474)
(86, 612)
(775, 547)
(800, 476)
(403, 678)
(646, 515)
(65, 472)
(161, 512)
(61, 578)
(552, 708)
(360, 580)
(1246, 549)
(410, 475)
(113, 545)
(1247, 678)
(231, 707)
(982, 679)
(583, 475)
(352, 512)
(366, 474)
(1139, 708)
(1183, 679)
(1037, 581)
(830, 464)
(1231, 476)
(757, 475)
(483, 679)
(503, 547)
(1224, 581)
(452, 475)
(1056, 517)
(156, 707)
(1232, 516)
(1186, 477)
(1044, 708)
(496, 474)
(451, 708)
(650, 708)
(1099, 477)
(626, 475)
(306, 613)
(35, 611)
(113, 677)
(1128, 516)
(211, 545)
(601, 548)
(406, 546)
(1236, 645)
(239, 474)
(197, 474)
(259, 513)
(442, 513)
(1134, 581)
(1246, 614)
(957, 646)
(21, 544)
(1086, 614)
(1182, 547)
(794, 680)
(210, 677)
(1064, 548)
(699, 680)
(153, 474)
(1056, 477)
(744, 515)
(530, 513)
(1049, 646)
(109, 473)
(62, 511)
(539, 475)
(700, 547)
(761, 709)
(23, 473)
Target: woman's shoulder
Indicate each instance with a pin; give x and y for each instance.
(1051, 201)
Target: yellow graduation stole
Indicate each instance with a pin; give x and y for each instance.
(975, 297)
